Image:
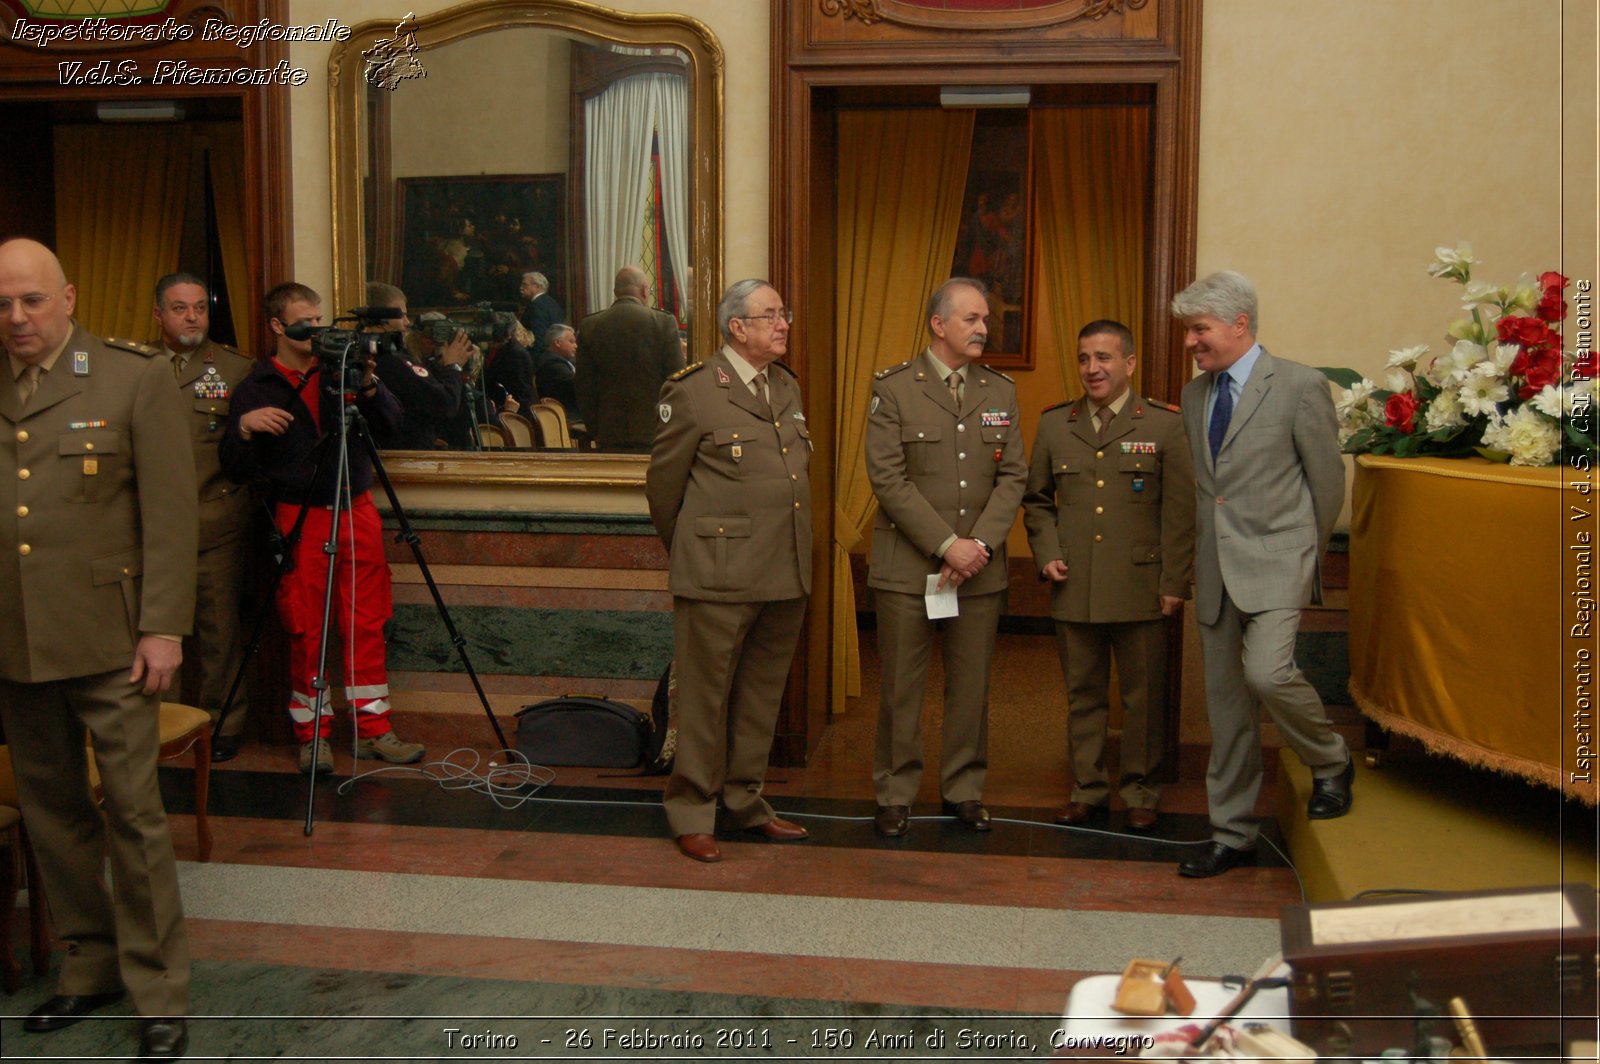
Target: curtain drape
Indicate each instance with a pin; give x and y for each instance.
(902, 175)
(225, 141)
(1091, 171)
(618, 124)
(118, 226)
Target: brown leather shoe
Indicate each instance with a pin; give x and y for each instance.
(779, 829)
(970, 814)
(892, 820)
(700, 846)
(1077, 812)
(1142, 819)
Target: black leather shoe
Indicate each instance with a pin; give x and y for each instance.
(1331, 797)
(163, 1039)
(224, 748)
(891, 821)
(64, 1010)
(970, 814)
(1215, 861)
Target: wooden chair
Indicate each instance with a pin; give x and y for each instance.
(185, 728)
(552, 419)
(519, 429)
(38, 923)
(493, 439)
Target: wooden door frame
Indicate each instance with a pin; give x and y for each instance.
(823, 44)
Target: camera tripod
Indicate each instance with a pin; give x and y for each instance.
(351, 425)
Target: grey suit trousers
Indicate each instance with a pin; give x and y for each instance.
(1250, 666)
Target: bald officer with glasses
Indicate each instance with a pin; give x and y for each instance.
(730, 495)
(99, 519)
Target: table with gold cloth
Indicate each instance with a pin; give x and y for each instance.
(1459, 618)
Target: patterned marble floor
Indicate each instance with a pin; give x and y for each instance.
(422, 920)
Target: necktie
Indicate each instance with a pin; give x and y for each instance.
(27, 384)
(1103, 416)
(1221, 414)
(760, 384)
(177, 366)
(955, 388)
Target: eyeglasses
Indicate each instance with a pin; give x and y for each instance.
(771, 316)
(32, 303)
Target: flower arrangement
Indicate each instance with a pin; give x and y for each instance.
(1505, 389)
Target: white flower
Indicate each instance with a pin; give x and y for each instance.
(1354, 404)
(1397, 380)
(1479, 293)
(1552, 401)
(1454, 263)
(1407, 357)
(1453, 364)
(1524, 297)
(1527, 435)
(1504, 355)
(1444, 412)
(1482, 390)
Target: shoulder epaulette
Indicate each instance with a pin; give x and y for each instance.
(787, 370)
(882, 373)
(685, 371)
(997, 373)
(232, 351)
(1057, 406)
(1170, 408)
(147, 350)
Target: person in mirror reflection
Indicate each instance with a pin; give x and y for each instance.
(508, 374)
(729, 491)
(1110, 516)
(1269, 483)
(206, 373)
(281, 412)
(429, 389)
(944, 456)
(629, 349)
(99, 536)
(558, 372)
(540, 309)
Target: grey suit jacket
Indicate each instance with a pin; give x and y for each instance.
(1266, 507)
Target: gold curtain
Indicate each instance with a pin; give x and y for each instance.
(120, 194)
(1091, 169)
(225, 141)
(902, 175)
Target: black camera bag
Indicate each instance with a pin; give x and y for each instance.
(582, 730)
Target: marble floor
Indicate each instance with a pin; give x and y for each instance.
(424, 917)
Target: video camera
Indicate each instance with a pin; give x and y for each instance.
(341, 349)
(483, 324)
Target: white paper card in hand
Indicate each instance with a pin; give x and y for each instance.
(941, 603)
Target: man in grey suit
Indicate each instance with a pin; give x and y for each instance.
(729, 490)
(629, 349)
(1269, 485)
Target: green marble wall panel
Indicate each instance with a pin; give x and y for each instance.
(609, 644)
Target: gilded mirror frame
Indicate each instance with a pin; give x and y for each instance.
(606, 479)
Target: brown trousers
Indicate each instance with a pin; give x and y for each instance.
(1086, 651)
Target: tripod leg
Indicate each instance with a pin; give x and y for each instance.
(319, 683)
(409, 536)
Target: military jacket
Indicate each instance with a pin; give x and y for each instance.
(938, 471)
(206, 388)
(730, 490)
(98, 513)
(1118, 509)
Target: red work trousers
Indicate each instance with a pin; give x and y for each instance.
(362, 603)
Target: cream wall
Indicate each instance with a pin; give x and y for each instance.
(741, 26)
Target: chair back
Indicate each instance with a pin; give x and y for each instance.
(518, 429)
(493, 439)
(552, 419)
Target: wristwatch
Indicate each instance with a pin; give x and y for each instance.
(988, 550)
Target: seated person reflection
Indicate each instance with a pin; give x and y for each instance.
(430, 391)
(508, 372)
(557, 369)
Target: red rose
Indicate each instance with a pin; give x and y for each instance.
(1523, 330)
(1400, 411)
(1550, 279)
(1551, 306)
(1539, 368)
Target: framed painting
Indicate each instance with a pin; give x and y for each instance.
(994, 243)
(470, 239)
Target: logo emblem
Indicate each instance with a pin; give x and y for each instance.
(665, 410)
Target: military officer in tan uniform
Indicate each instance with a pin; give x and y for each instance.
(1110, 516)
(206, 373)
(730, 495)
(97, 573)
(944, 455)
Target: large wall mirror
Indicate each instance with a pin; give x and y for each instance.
(494, 138)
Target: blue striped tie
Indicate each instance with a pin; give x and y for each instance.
(1221, 414)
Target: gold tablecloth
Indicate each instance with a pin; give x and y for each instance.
(1460, 620)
